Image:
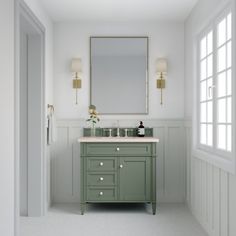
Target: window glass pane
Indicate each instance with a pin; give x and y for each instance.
(203, 134)
(221, 137)
(229, 110)
(222, 110)
(209, 135)
(229, 138)
(203, 90)
(203, 48)
(229, 54)
(221, 59)
(209, 66)
(221, 32)
(203, 69)
(221, 86)
(229, 82)
(229, 26)
(203, 112)
(209, 112)
(209, 43)
(210, 89)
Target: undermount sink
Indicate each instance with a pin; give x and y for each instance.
(118, 139)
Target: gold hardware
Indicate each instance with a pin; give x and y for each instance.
(161, 71)
(76, 83)
(76, 68)
(161, 84)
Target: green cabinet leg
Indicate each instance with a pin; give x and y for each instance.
(82, 208)
(154, 208)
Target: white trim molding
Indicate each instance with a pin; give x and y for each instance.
(21, 9)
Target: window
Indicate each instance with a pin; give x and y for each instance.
(215, 88)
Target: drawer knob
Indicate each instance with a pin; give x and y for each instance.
(121, 166)
(101, 164)
(117, 149)
(101, 193)
(101, 178)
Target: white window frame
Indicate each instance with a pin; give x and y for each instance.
(222, 159)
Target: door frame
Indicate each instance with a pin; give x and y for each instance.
(21, 9)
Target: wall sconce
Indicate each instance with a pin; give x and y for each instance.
(161, 72)
(76, 68)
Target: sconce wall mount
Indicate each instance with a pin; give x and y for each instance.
(161, 72)
(76, 68)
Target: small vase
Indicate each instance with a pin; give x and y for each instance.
(93, 131)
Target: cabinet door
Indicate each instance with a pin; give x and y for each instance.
(135, 181)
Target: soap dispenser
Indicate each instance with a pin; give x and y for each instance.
(141, 130)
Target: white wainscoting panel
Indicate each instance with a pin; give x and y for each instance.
(211, 194)
(170, 161)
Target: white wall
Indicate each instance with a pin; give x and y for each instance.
(7, 118)
(72, 40)
(211, 192)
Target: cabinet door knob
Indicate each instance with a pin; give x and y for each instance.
(101, 178)
(101, 164)
(121, 166)
(117, 149)
(101, 193)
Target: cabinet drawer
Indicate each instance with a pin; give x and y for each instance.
(118, 149)
(100, 179)
(101, 194)
(101, 164)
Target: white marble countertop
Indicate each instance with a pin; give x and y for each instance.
(118, 139)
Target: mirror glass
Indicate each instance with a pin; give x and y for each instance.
(119, 74)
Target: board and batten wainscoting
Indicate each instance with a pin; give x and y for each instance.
(210, 193)
(171, 169)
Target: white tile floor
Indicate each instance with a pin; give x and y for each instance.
(113, 220)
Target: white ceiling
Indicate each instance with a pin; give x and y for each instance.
(118, 10)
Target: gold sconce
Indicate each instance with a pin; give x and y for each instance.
(161, 72)
(76, 68)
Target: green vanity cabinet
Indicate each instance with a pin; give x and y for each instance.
(118, 172)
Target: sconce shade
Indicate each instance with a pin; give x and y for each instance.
(76, 65)
(161, 65)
